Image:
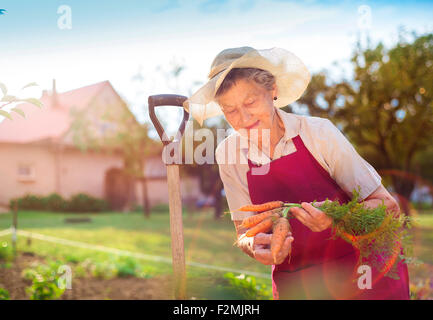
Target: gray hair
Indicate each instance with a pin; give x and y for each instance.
(261, 77)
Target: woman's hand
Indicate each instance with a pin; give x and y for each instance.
(312, 217)
(262, 251)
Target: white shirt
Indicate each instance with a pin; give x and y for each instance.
(323, 140)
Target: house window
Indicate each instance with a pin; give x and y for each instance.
(26, 172)
(107, 127)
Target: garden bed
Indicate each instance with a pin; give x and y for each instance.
(87, 288)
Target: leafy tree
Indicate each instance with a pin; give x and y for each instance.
(208, 173)
(320, 99)
(8, 99)
(386, 110)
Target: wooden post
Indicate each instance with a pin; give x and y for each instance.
(176, 230)
(14, 228)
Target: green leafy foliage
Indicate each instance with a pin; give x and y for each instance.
(239, 287)
(54, 202)
(84, 203)
(381, 237)
(100, 269)
(5, 252)
(5, 114)
(385, 109)
(45, 279)
(7, 99)
(127, 267)
(110, 268)
(4, 294)
(29, 202)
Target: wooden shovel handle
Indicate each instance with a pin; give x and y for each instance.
(175, 200)
(176, 230)
(166, 100)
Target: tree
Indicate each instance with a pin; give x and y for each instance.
(208, 173)
(320, 99)
(389, 107)
(8, 99)
(386, 110)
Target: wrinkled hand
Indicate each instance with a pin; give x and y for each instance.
(312, 217)
(262, 250)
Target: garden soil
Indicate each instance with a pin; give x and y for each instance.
(125, 288)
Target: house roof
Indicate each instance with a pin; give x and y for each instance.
(52, 120)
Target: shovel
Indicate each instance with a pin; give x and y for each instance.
(175, 202)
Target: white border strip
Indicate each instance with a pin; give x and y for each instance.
(128, 253)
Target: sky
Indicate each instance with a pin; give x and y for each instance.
(135, 44)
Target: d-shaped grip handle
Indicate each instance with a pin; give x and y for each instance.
(166, 100)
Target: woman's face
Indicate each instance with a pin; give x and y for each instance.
(248, 105)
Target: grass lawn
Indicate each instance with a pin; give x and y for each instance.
(206, 241)
(423, 236)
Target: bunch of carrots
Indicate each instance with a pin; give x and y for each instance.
(371, 230)
(269, 216)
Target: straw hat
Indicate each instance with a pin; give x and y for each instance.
(292, 77)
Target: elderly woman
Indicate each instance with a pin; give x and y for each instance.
(274, 155)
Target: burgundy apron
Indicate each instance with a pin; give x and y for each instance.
(319, 268)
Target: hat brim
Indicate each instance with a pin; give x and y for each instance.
(291, 75)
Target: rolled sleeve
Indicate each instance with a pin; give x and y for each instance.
(346, 166)
(237, 193)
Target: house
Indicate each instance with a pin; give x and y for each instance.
(48, 151)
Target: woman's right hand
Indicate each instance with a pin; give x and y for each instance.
(259, 246)
(262, 248)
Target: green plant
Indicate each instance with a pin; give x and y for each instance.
(4, 294)
(421, 290)
(29, 202)
(84, 203)
(71, 258)
(79, 271)
(7, 99)
(44, 279)
(239, 287)
(102, 270)
(423, 205)
(5, 251)
(382, 238)
(137, 208)
(127, 267)
(160, 208)
(56, 203)
(44, 290)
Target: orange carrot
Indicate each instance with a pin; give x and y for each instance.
(262, 207)
(264, 226)
(251, 221)
(280, 231)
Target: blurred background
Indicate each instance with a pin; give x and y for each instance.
(83, 185)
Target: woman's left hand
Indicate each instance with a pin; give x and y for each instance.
(312, 217)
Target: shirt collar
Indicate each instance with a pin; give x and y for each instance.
(291, 129)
